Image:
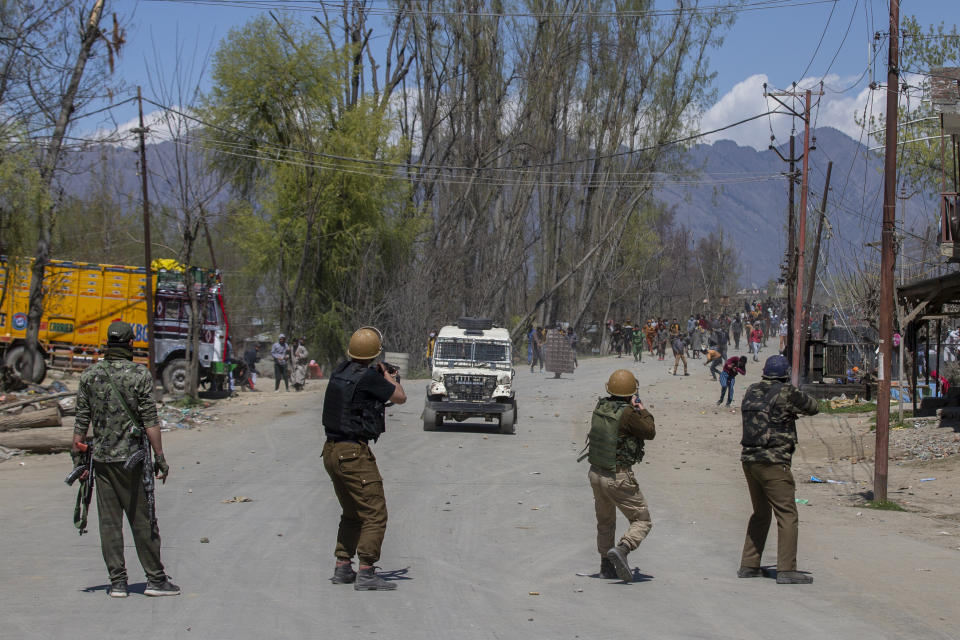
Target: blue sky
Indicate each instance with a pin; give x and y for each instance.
(779, 46)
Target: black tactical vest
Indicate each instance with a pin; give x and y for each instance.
(347, 416)
(758, 423)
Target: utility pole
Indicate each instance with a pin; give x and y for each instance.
(795, 333)
(791, 225)
(811, 285)
(887, 257)
(148, 286)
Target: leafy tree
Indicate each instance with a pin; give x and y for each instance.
(327, 232)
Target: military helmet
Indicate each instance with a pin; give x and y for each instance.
(366, 343)
(776, 367)
(622, 383)
(119, 332)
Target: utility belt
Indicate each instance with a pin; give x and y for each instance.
(335, 439)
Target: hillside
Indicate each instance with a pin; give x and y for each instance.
(753, 214)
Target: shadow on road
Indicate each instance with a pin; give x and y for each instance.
(396, 574)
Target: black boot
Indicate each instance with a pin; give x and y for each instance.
(607, 570)
(344, 574)
(368, 580)
(618, 557)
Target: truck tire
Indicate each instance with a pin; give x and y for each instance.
(508, 421)
(16, 359)
(430, 419)
(175, 376)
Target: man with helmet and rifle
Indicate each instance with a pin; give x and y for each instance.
(770, 409)
(353, 415)
(618, 429)
(115, 395)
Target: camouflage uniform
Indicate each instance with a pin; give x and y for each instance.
(769, 410)
(120, 491)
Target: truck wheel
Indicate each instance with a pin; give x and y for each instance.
(429, 419)
(175, 376)
(507, 421)
(16, 359)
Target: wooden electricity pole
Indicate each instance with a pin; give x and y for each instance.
(148, 285)
(887, 257)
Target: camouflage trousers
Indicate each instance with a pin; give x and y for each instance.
(121, 492)
(618, 490)
(356, 479)
(772, 490)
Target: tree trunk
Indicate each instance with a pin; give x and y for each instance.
(42, 418)
(46, 440)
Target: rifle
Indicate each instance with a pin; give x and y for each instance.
(84, 473)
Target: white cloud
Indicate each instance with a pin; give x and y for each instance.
(746, 99)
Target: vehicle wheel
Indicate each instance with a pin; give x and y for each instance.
(17, 360)
(175, 376)
(429, 419)
(508, 421)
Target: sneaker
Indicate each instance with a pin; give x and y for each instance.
(793, 577)
(344, 574)
(368, 580)
(618, 557)
(118, 590)
(607, 570)
(749, 572)
(165, 588)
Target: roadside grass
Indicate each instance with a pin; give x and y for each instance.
(186, 402)
(862, 407)
(884, 505)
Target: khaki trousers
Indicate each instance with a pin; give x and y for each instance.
(121, 492)
(356, 480)
(772, 488)
(618, 490)
(677, 359)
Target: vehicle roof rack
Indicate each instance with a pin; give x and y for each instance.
(471, 323)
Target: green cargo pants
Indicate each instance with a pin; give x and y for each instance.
(772, 489)
(356, 480)
(121, 492)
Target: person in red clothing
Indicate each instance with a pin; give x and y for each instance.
(756, 337)
(731, 368)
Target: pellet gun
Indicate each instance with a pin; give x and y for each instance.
(391, 369)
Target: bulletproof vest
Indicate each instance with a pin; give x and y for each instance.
(759, 425)
(345, 414)
(607, 447)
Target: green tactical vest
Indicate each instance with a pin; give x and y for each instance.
(607, 448)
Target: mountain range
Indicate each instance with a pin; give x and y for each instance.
(739, 191)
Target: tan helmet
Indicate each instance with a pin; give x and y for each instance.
(622, 383)
(366, 343)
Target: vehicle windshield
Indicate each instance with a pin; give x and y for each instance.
(473, 351)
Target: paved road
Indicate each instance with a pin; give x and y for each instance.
(478, 522)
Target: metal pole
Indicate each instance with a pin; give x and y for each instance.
(798, 311)
(148, 285)
(791, 247)
(887, 257)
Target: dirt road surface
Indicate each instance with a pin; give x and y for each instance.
(488, 532)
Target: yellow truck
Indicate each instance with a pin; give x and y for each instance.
(82, 299)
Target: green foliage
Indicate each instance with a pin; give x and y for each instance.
(325, 231)
(22, 197)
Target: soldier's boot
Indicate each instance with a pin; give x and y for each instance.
(607, 570)
(618, 557)
(793, 577)
(368, 580)
(344, 574)
(749, 572)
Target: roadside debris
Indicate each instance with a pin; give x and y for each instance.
(237, 499)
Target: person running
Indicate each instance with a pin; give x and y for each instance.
(731, 368)
(756, 337)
